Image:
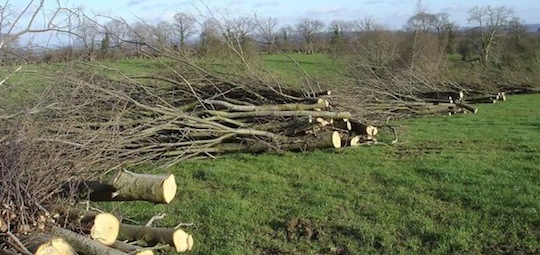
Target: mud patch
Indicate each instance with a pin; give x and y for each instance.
(302, 229)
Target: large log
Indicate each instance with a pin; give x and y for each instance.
(85, 245)
(445, 96)
(327, 139)
(363, 129)
(44, 244)
(278, 107)
(333, 115)
(131, 249)
(129, 186)
(151, 236)
(467, 106)
(102, 227)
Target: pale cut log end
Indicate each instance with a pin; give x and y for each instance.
(349, 125)
(3, 226)
(182, 241)
(169, 189)
(56, 246)
(105, 229)
(355, 141)
(323, 102)
(371, 130)
(336, 139)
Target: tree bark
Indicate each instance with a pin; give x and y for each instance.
(333, 115)
(85, 245)
(131, 249)
(150, 236)
(129, 186)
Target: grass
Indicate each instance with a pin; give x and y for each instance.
(318, 66)
(463, 184)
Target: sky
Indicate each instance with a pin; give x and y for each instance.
(393, 13)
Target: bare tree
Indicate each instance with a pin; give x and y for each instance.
(163, 34)
(210, 41)
(364, 25)
(239, 29)
(285, 37)
(309, 29)
(184, 27)
(491, 23)
(88, 33)
(119, 34)
(339, 30)
(267, 31)
(422, 22)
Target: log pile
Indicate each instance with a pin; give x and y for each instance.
(72, 229)
(435, 103)
(178, 121)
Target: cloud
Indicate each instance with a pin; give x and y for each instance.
(137, 2)
(326, 10)
(236, 2)
(265, 4)
(371, 2)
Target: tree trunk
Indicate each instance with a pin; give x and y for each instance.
(85, 245)
(151, 236)
(129, 186)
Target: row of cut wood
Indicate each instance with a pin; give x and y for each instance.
(77, 230)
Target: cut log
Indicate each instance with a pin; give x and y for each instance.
(362, 129)
(344, 125)
(518, 91)
(131, 249)
(446, 109)
(501, 96)
(322, 140)
(129, 186)
(486, 100)
(445, 96)
(467, 106)
(151, 236)
(282, 107)
(85, 245)
(102, 227)
(233, 115)
(41, 244)
(3, 225)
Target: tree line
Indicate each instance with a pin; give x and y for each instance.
(494, 34)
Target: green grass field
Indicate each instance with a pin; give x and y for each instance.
(467, 184)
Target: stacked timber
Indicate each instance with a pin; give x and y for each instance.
(180, 122)
(438, 103)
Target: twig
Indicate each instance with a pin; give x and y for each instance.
(183, 225)
(160, 216)
(23, 248)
